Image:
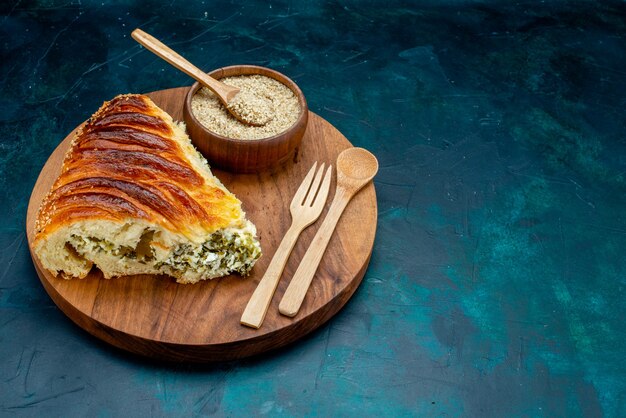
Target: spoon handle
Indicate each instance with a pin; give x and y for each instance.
(152, 44)
(301, 280)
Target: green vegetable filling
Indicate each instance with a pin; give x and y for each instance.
(222, 252)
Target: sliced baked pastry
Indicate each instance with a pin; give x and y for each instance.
(135, 197)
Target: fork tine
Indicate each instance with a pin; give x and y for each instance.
(322, 195)
(310, 197)
(298, 198)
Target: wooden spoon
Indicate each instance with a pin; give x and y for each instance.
(240, 109)
(355, 168)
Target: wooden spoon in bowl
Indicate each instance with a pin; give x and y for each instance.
(245, 106)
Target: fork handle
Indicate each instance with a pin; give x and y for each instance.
(296, 291)
(255, 311)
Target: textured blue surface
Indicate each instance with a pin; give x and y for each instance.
(497, 282)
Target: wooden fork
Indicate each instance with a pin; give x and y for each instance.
(306, 207)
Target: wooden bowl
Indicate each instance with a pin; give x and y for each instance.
(246, 155)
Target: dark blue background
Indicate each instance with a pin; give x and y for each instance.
(497, 282)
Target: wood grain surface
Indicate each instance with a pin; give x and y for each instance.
(156, 317)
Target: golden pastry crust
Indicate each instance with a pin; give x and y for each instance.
(135, 197)
(124, 163)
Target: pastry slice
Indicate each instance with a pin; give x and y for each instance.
(135, 197)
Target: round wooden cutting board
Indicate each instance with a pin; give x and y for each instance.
(156, 317)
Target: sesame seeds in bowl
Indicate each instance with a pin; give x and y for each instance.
(230, 144)
(267, 102)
